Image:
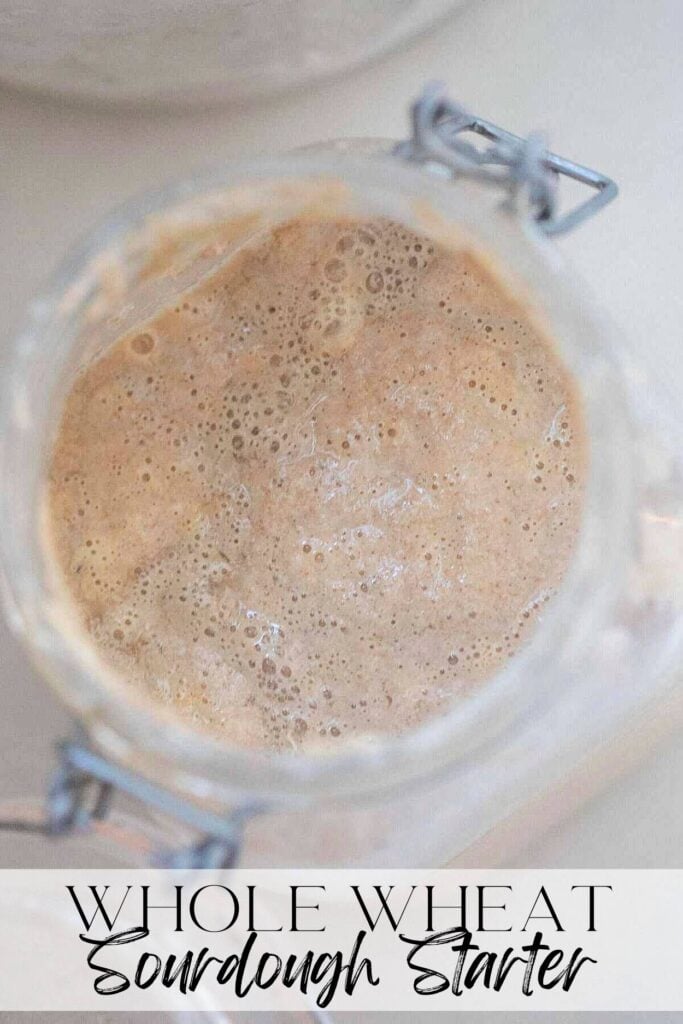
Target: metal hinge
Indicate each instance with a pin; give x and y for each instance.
(520, 167)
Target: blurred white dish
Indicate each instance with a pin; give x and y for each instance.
(196, 51)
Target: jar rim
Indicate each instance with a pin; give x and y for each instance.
(187, 759)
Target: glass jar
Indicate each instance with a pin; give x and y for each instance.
(601, 661)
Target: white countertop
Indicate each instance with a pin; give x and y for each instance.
(604, 78)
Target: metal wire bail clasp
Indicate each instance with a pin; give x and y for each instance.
(520, 167)
(81, 793)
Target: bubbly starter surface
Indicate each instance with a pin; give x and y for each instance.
(327, 492)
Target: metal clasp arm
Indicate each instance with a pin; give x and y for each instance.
(82, 789)
(511, 162)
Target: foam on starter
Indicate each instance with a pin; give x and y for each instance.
(327, 492)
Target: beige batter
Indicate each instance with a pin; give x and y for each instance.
(327, 492)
